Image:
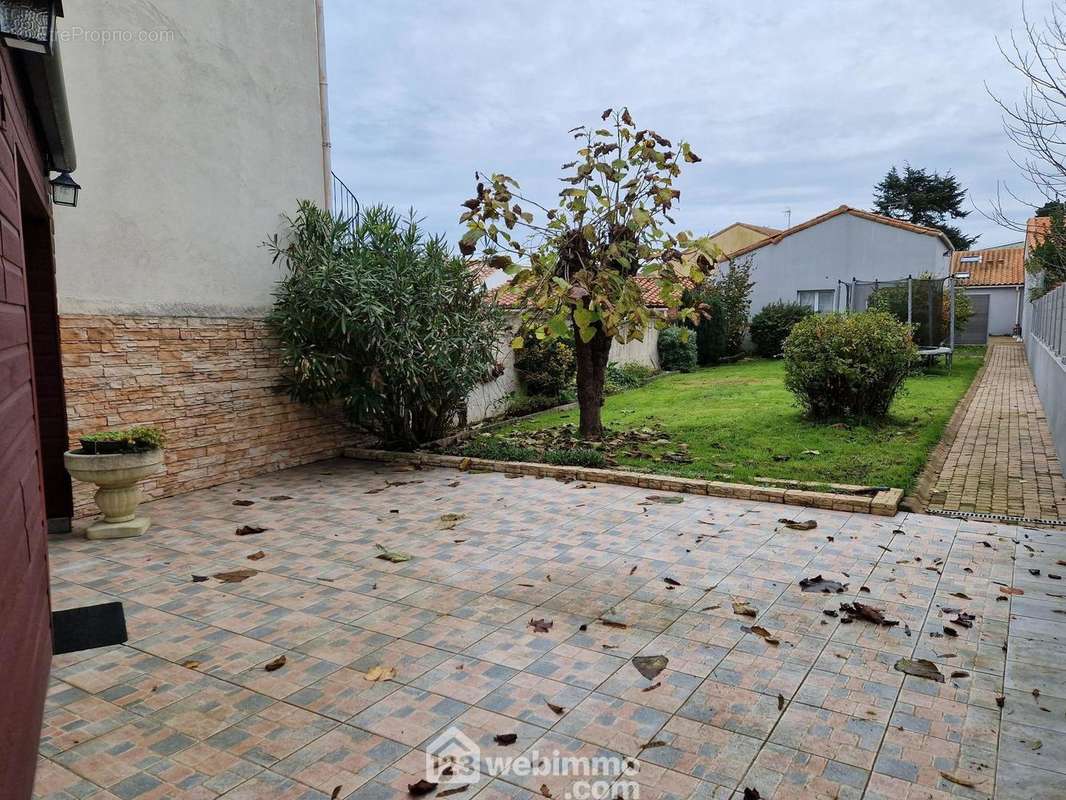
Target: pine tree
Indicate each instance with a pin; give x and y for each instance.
(924, 198)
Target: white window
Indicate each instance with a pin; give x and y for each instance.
(821, 300)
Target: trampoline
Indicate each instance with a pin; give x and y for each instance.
(926, 304)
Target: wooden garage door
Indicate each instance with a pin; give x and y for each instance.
(976, 330)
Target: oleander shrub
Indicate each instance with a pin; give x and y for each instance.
(848, 366)
(677, 349)
(771, 326)
(376, 316)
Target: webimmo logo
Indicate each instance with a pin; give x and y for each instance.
(453, 758)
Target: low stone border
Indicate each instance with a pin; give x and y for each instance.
(883, 504)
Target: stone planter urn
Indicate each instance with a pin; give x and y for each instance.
(117, 476)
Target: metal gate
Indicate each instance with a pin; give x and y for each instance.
(976, 330)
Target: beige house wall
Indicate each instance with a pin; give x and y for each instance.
(199, 124)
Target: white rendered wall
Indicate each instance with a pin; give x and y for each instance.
(197, 123)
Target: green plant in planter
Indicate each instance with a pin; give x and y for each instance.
(139, 439)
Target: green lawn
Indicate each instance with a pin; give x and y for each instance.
(739, 422)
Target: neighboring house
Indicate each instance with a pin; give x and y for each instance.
(199, 126)
(996, 288)
(35, 138)
(741, 234)
(813, 262)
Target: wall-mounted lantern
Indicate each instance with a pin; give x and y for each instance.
(30, 24)
(65, 190)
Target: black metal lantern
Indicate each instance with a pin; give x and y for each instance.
(30, 24)
(65, 190)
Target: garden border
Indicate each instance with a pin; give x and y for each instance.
(884, 503)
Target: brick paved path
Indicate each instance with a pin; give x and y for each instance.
(1003, 459)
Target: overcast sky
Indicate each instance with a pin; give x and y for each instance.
(799, 105)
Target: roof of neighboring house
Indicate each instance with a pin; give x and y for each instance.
(506, 297)
(998, 266)
(757, 228)
(1035, 230)
(836, 212)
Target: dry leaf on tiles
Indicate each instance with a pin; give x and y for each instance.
(380, 673)
(244, 503)
(795, 525)
(276, 664)
(391, 556)
(249, 530)
(557, 709)
(505, 738)
(650, 666)
(541, 625)
(919, 668)
(257, 556)
(448, 521)
(236, 575)
(743, 609)
(422, 787)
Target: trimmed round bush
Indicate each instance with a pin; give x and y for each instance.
(677, 349)
(545, 366)
(848, 366)
(771, 326)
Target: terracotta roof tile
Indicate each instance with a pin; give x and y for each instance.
(998, 266)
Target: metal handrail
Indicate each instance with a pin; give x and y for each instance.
(345, 203)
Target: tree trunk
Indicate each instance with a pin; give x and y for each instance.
(592, 359)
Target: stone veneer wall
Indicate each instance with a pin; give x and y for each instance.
(213, 385)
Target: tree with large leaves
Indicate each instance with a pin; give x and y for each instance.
(576, 265)
(924, 198)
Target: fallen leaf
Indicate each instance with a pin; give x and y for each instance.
(654, 743)
(650, 666)
(961, 596)
(960, 781)
(453, 790)
(276, 664)
(244, 503)
(671, 582)
(960, 674)
(655, 685)
(867, 613)
(380, 673)
(794, 525)
(1010, 590)
(751, 794)
(743, 609)
(278, 498)
(544, 790)
(780, 702)
(391, 556)
(1000, 699)
(541, 625)
(1036, 744)
(820, 584)
(448, 521)
(920, 668)
(423, 787)
(557, 709)
(249, 530)
(336, 792)
(762, 633)
(235, 576)
(665, 499)
(505, 738)
(199, 578)
(257, 556)
(190, 664)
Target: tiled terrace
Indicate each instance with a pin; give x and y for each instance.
(187, 710)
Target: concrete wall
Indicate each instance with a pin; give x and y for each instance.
(1049, 375)
(490, 399)
(1004, 307)
(841, 248)
(198, 123)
